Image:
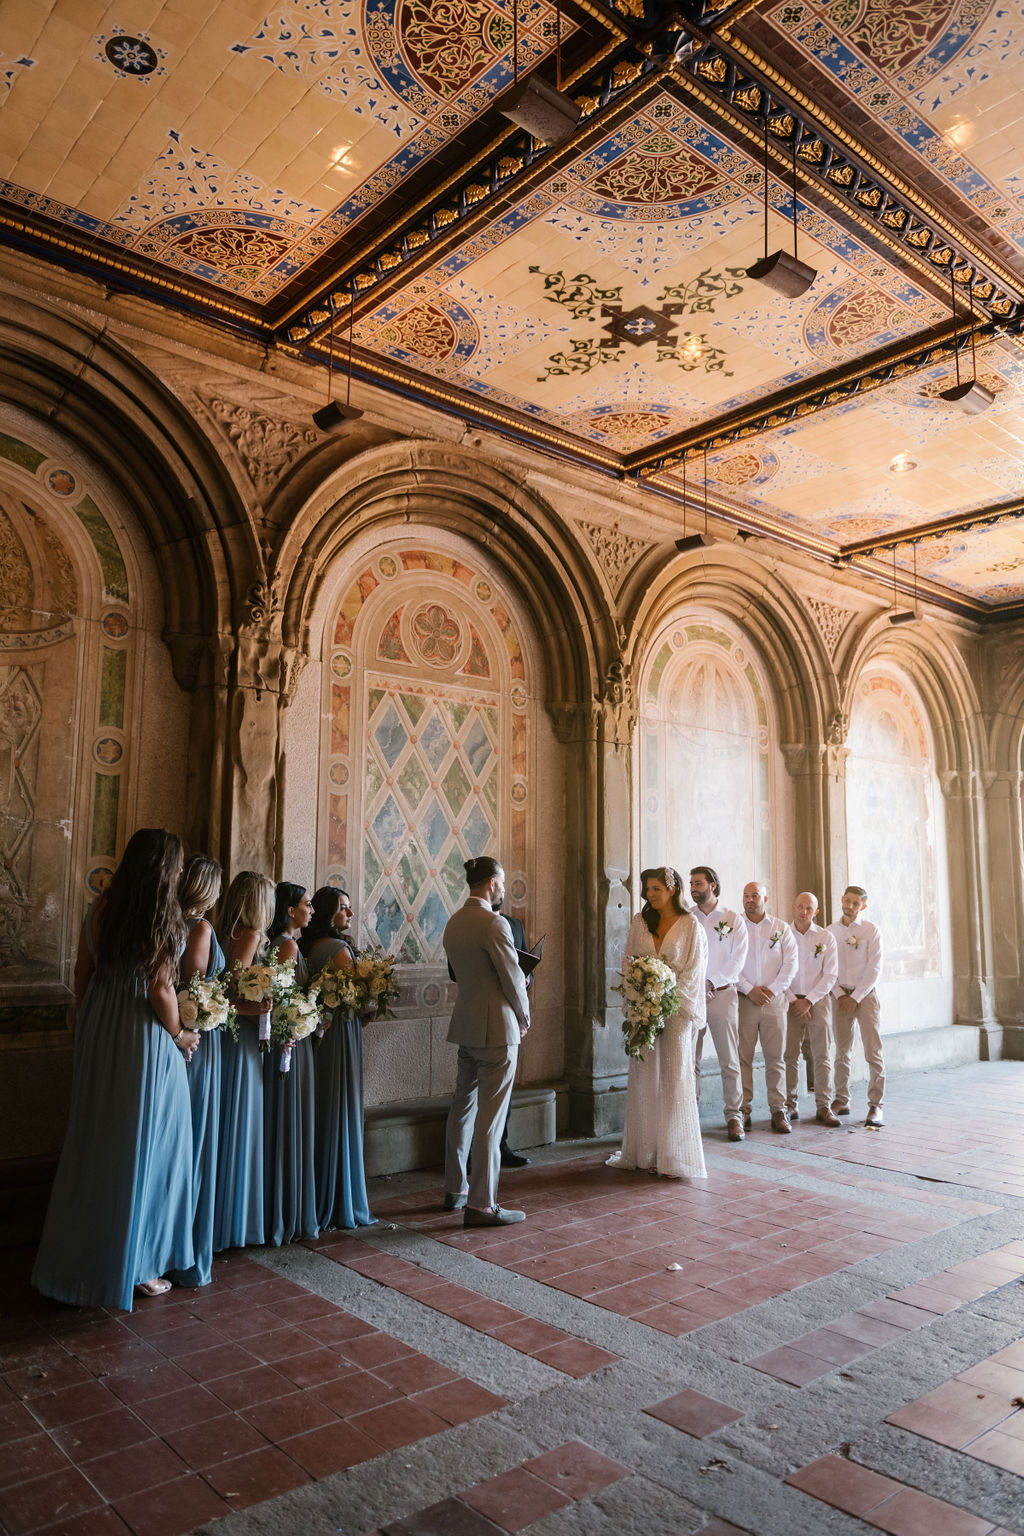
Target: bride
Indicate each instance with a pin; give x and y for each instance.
(662, 1133)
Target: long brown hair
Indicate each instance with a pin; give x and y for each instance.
(326, 901)
(139, 922)
(672, 880)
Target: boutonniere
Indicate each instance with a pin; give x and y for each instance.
(853, 942)
(774, 939)
(819, 949)
(723, 929)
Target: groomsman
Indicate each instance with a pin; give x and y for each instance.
(727, 950)
(859, 946)
(767, 974)
(810, 1008)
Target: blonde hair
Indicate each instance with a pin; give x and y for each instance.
(200, 886)
(248, 904)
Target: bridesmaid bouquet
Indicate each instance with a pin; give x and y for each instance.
(265, 981)
(375, 978)
(294, 1016)
(205, 1005)
(648, 987)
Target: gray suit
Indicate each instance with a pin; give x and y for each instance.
(491, 1010)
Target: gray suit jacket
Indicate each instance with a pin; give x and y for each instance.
(491, 1003)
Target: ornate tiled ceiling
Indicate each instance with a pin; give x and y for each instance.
(263, 164)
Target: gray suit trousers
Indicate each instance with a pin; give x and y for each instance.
(483, 1089)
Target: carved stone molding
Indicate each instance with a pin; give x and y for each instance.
(616, 552)
(262, 601)
(963, 786)
(267, 443)
(293, 664)
(831, 621)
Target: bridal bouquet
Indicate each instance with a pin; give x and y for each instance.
(648, 988)
(338, 989)
(205, 1005)
(265, 981)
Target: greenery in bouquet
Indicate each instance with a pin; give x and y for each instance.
(375, 976)
(650, 996)
(266, 981)
(205, 1005)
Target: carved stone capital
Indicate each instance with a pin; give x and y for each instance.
(293, 664)
(186, 659)
(974, 784)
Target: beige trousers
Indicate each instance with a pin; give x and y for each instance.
(767, 1024)
(819, 1032)
(867, 1016)
(723, 1022)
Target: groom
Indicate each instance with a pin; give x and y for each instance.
(490, 1017)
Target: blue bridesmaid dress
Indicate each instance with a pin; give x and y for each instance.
(204, 1087)
(341, 1199)
(238, 1216)
(121, 1207)
(288, 1132)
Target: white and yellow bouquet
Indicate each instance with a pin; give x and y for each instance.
(265, 981)
(374, 975)
(338, 989)
(205, 1005)
(650, 996)
(294, 1017)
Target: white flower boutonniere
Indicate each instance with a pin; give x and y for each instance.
(819, 949)
(774, 939)
(853, 942)
(723, 929)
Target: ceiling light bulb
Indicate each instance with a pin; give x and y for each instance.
(902, 464)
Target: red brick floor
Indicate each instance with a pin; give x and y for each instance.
(979, 1412)
(885, 1503)
(674, 1256)
(519, 1497)
(198, 1402)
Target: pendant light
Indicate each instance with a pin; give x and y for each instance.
(970, 396)
(333, 416)
(904, 615)
(780, 271)
(696, 540)
(547, 114)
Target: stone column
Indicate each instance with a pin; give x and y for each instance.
(819, 772)
(598, 842)
(973, 970)
(1006, 884)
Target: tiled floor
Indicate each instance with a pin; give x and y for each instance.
(641, 1354)
(201, 1402)
(672, 1256)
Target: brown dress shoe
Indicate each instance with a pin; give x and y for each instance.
(780, 1122)
(826, 1117)
(874, 1118)
(735, 1129)
(746, 1122)
(840, 1109)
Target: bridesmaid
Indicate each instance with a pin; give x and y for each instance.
(341, 1199)
(198, 893)
(120, 1213)
(238, 1208)
(290, 1186)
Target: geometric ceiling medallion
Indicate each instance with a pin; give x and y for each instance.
(640, 325)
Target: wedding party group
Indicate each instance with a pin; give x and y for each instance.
(217, 1095)
(749, 979)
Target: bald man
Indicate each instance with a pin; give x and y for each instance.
(810, 1008)
(766, 977)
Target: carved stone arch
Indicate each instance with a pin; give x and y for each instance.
(1006, 742)
(937, 669)
(436, 485)
(770, 614)
(68, 372)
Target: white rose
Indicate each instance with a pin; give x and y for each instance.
(188, 1013)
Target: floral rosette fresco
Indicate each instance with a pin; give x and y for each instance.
(650, 996)
(205, 1005)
